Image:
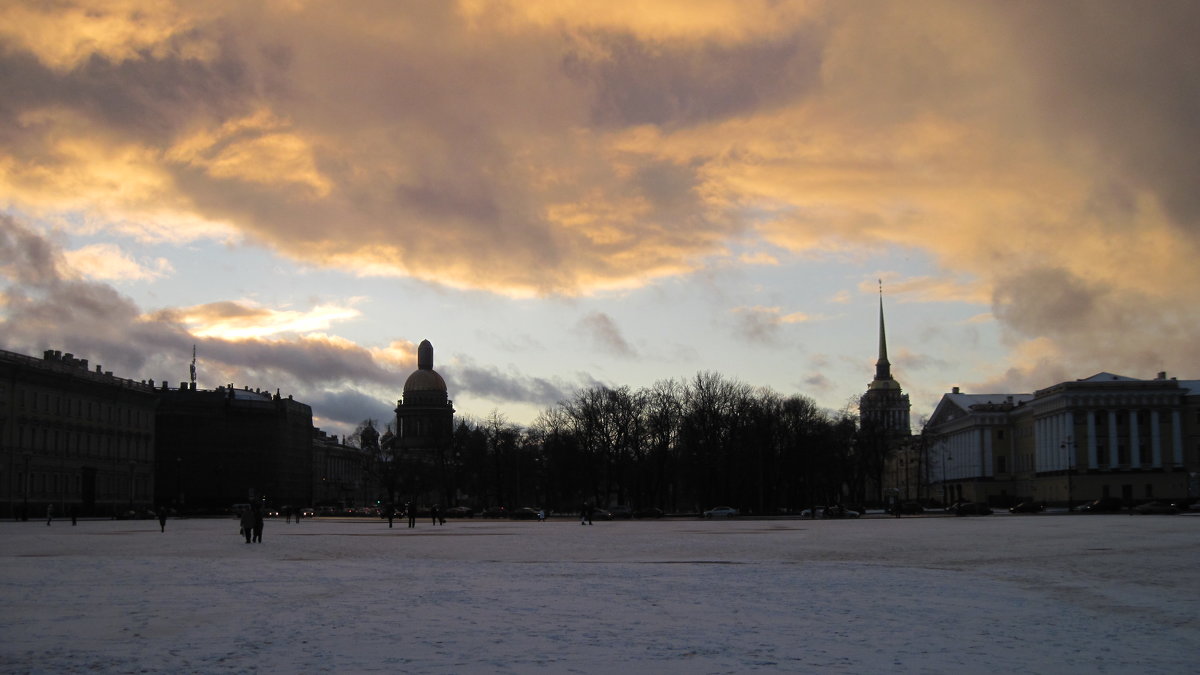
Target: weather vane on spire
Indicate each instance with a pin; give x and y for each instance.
(193, 366)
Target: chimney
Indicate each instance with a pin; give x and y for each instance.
(954, 390)
(1162, 375)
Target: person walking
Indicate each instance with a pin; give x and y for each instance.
(412, 514)
(49, 514)
(248, 523)
(433, 513)
(258, 523)
(162, 519)
(391, 513)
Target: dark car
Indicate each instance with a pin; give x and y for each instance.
(1027, 507)
(972, 509)
(839, 511)
(460, 512)
(494, 512)
(523, 513)
(621, 512)
(652, 512)
(1156, 509)
(1103, 505)
(601, 514)
(911, 508)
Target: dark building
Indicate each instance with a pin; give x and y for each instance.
(424, 428)
(73, 438)
(228, 446)
(340, 471)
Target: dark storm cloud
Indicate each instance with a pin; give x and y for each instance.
(1126, 78)
(349, 407)
(604, 333)
(676, 82)
(489, 382)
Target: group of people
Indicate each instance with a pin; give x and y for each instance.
(434, 512)
(252, 524)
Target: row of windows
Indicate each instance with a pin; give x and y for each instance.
(73, 406)
(75, 444)
(70, 485)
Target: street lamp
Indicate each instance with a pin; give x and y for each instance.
(132, 464)
(27, 454)
(1068, 447)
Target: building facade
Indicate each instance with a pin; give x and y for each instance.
(72, 438)
(1072, 442)
(340, 473)
(229, 446)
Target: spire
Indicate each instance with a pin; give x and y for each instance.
(883, 369)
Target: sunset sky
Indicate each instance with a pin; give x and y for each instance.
(559, 194)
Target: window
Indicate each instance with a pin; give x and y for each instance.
(1001, 464)
(1149, 490)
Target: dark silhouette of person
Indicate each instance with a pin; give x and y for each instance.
(433, 513)
(258, 524)
(585, 514)
(49, 514)
(74, 514)
(412, 515)
(248, 524)
(162, 519)
(391, 513)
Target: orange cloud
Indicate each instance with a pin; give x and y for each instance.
(244, 320)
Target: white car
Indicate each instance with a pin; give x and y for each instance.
(721, 512)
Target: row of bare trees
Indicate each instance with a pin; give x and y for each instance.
(679, 446)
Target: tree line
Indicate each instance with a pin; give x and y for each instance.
(679, 446)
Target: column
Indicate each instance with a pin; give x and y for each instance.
(1155, 440)
(1113, 458)
(1176, 439)
(1093, 456)
(1135, 450)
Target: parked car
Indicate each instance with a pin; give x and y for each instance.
(911, 508)
(494, 512)
(621, 512)
(835, 511)
(460, 512)
(972, 509)
(523, 513)
(721, 512)
(1027, 507)
(599, 513)
(1156, 509)
(651, 512)
(1104, 505)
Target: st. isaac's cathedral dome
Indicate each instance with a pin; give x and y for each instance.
(424, 378)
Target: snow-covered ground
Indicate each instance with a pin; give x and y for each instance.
(1012, 594)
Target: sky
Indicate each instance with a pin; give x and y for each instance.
(566, 194)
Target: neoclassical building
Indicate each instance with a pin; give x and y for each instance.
(73, 438)
(424, 427)
(1103, 436)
